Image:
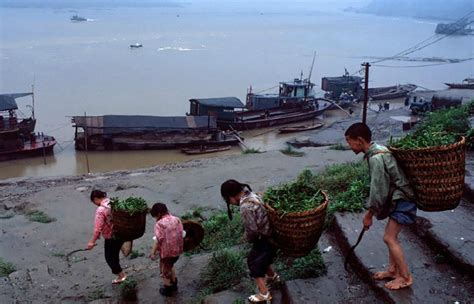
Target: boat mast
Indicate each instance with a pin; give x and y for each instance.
(312, 65)
(33, 101)
(309, 78)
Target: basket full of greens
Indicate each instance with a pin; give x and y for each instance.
(128, 217)
(297, 211)
(433, 158)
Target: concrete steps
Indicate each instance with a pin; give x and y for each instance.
(433, 282)
(450, 234)
(338, 286)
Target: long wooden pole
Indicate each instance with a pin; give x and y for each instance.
(85, 142)
(44, 152)
(366, 92)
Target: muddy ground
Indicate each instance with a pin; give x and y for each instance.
(38, 249)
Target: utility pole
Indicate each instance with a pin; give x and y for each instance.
(366, 91)
(85, 142)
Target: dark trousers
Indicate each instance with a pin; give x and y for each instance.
(260, 258)
(112, 254)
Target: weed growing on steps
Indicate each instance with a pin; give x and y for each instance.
(310, 266)
(128, 290)
(219, 231)
(224, 270)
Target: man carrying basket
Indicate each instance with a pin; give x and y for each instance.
(390, 196)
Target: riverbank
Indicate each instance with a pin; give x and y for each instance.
(37, 250)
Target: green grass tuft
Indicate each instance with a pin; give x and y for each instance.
(339, 147)
(224, 270)
(251, 151)
(292, 152)
(6, 268)
(40, 217)
(310, 266)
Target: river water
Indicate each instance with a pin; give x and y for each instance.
(192, 51)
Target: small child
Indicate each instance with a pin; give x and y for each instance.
(257, 231)
(103, 225)
(390, 196)
(169, 244)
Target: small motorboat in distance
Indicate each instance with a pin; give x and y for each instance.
(300, 128)
(204, 150)
(136, 45)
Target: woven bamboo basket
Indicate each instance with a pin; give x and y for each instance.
(436, 174)
(128, 227)
(296, 233)
(194, 234)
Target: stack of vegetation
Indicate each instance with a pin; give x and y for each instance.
(292, 152)
(6, 268)
(298, 196)
(131, 205)
(443, 127)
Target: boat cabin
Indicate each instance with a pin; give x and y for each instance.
(335, 86)
(8, 115)
(290, 94)
(121, 132)
(223, 108)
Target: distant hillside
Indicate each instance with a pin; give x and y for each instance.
(61, 4)
(435, 9)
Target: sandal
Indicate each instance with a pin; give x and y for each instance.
(119, 280)
(258, 298)
(271, 281)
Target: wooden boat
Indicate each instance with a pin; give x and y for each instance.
(300, 128)
(136, 45)
(204, 150)
(467, 83)
(391, 92)
(17, 139)
(14, 146)
(136, 132)
(8, 116)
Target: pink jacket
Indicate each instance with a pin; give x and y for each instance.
(169, 236)
(103, 220)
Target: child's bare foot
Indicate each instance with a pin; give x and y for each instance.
(399, 283)
(383, 275)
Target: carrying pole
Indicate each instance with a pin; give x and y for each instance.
(366, 92)
(85, 143)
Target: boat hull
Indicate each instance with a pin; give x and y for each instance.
(300, 128)
(283, 119)
(195, 151)
(460, 85)
(30, 150)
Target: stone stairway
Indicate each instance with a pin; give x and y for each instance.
(439, 249)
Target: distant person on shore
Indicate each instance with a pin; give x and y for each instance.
(103, 225)
(169, 243)
(257, 232)
(390, 196)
